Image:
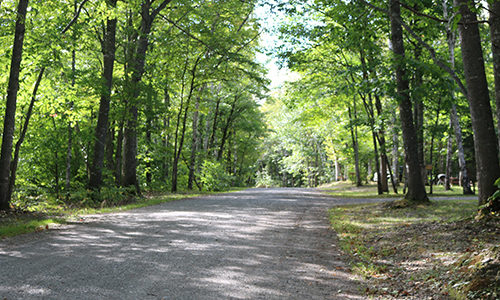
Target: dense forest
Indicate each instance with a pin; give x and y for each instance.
(107, 99)
(404, 91)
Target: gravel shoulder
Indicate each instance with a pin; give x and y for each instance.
(252, 244)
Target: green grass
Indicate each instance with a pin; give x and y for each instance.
(358, 226)
(347, 189)
(24, 226)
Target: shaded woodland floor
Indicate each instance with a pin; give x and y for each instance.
(426, 252)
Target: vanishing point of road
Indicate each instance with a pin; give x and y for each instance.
(253, 244)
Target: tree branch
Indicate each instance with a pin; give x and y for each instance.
(431, 50)
(74, 18)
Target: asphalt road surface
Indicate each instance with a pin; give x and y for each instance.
(253, 244)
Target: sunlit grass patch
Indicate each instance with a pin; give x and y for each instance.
(410, 249)
(347, 189)
(25, 226)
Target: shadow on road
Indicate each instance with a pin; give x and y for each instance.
(254, 244)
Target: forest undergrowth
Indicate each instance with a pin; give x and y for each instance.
(436, 251)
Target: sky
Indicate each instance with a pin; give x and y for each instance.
(269, 39)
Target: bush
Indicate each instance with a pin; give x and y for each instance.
(263, 179)
(213, 177)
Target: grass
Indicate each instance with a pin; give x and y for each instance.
(45, 214)
(396, 248)
(346, 189)
(24, 226)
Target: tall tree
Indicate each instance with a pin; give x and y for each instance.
(416, 189)
(485, 139)
(494, 22)
(10, 107)
(101, 131)
(137, 63)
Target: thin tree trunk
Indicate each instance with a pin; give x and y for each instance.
(454, 120)
(13, 167)
(431, 147)
(395, 152)
(416, 189)
(449, 153)
(214, 124)
(225, 130)
(67, 184)
(354, 138)
(119, 154)
(10, 106)
(183, 131)
(195, 144)
(485, 139)
(166, 136)
(101, 131)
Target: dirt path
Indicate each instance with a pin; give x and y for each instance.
(254, 244)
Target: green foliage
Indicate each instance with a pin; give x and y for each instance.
(214, 177)
(263, 179)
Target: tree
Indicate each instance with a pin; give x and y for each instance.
(108, 51)
(10, 108)
(485, 139)
(416, 189)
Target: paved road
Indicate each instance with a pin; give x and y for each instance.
(254, 244)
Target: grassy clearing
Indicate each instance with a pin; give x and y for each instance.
(437, 250)
(45, 214)
(347, 189)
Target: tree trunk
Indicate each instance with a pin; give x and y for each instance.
(395, 153)
(454, 120)
(101, 131)
(416, 189)
(177, 153)
(10, 106)
(17, 149)
(485, 139)
(431, 146)
(495, 49)
(195, 144)
(119, 155)
(449, 153)
(225, 130)
(137, 63)
(354, 138)
(418, 112)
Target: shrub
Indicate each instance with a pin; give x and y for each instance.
(263, 179)
(213, 177)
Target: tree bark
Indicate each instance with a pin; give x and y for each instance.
(494, 22)
(418, 111)
(101, 131)
(454, 120)
(178, 151)
(137, 67)
(195, 144)
(485, 139)
(225, 130)
(449, 153)
(416, 189)
(355, 148)
(10, 106)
